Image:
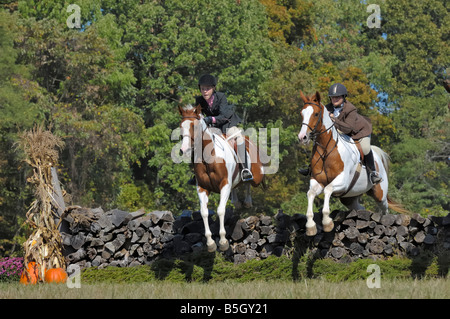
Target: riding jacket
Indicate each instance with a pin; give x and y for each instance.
(350, 122)
(223, 113)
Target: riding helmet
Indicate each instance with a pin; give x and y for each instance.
(207, 79)
(337, 89)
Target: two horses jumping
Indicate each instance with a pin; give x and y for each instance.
(336, 167)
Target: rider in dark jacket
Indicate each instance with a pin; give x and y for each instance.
(218, 113)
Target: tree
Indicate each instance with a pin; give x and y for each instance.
(289, 21)
(172, 44)
(91, 100)
(20, 101)
(131, 65)
(417, 39)
(111, 89)
(417, 34)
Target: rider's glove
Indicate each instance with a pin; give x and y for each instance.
(208, 120)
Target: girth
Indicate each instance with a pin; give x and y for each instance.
(353, 182)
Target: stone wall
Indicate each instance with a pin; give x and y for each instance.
(117, 238)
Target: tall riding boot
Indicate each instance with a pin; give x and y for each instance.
(305, 171)
(370, 166)
(246, 174)
(192, 181)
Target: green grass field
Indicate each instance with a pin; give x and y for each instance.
(212, 277)
(308, 288)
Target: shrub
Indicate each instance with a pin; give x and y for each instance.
(205, 267)
(337, 272)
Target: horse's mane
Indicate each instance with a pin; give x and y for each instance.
(188, 107)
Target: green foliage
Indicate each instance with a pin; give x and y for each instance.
(111, 90)
(118, 275)
(201, 267)
(289, 21)
(396, 268)
(417, 35)
(20, 102)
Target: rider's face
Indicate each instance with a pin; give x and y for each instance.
(337, 100)
(207, 91)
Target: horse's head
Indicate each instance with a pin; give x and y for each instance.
(312, 113)
(190, 116)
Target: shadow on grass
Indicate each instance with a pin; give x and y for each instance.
(184, 268)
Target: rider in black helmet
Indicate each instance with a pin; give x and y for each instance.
(347, 120)
(218, 113)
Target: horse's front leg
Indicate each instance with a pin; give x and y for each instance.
(338, 185)
(224, 195)
(327, 222)
(203, 196)
(314, 189)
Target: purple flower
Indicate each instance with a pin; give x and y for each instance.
(10, 268)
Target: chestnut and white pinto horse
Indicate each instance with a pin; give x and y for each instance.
(334, 164)
(216, 168)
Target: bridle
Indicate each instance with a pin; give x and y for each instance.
(189, 117)
(314, 134)
(188, 134)
(192, 136)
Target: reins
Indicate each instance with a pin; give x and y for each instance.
(213, 136)
(314, 134)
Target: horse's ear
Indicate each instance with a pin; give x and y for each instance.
(303, 96)
(318, 97)
(198, 109)
(180, 110)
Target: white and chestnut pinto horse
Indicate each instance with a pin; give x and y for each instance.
(217, 169)
(336, 167)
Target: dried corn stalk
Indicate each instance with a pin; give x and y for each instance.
(44, 246)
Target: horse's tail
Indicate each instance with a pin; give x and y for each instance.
(399, 208)
(384, 157)
(264, 183)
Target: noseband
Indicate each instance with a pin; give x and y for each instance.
(314, 132)
(190, 117)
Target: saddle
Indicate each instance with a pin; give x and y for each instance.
(349, 140)
(232, 142)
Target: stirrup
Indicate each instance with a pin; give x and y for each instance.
(374, 178)
(249, 174)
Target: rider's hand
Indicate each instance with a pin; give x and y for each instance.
(208, 120)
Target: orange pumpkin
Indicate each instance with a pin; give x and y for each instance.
(30, 275)
(56, 275)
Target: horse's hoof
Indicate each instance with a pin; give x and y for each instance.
(329, 227)
(311, 231)
(248, 204)
(224, 246)
(212, 248)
